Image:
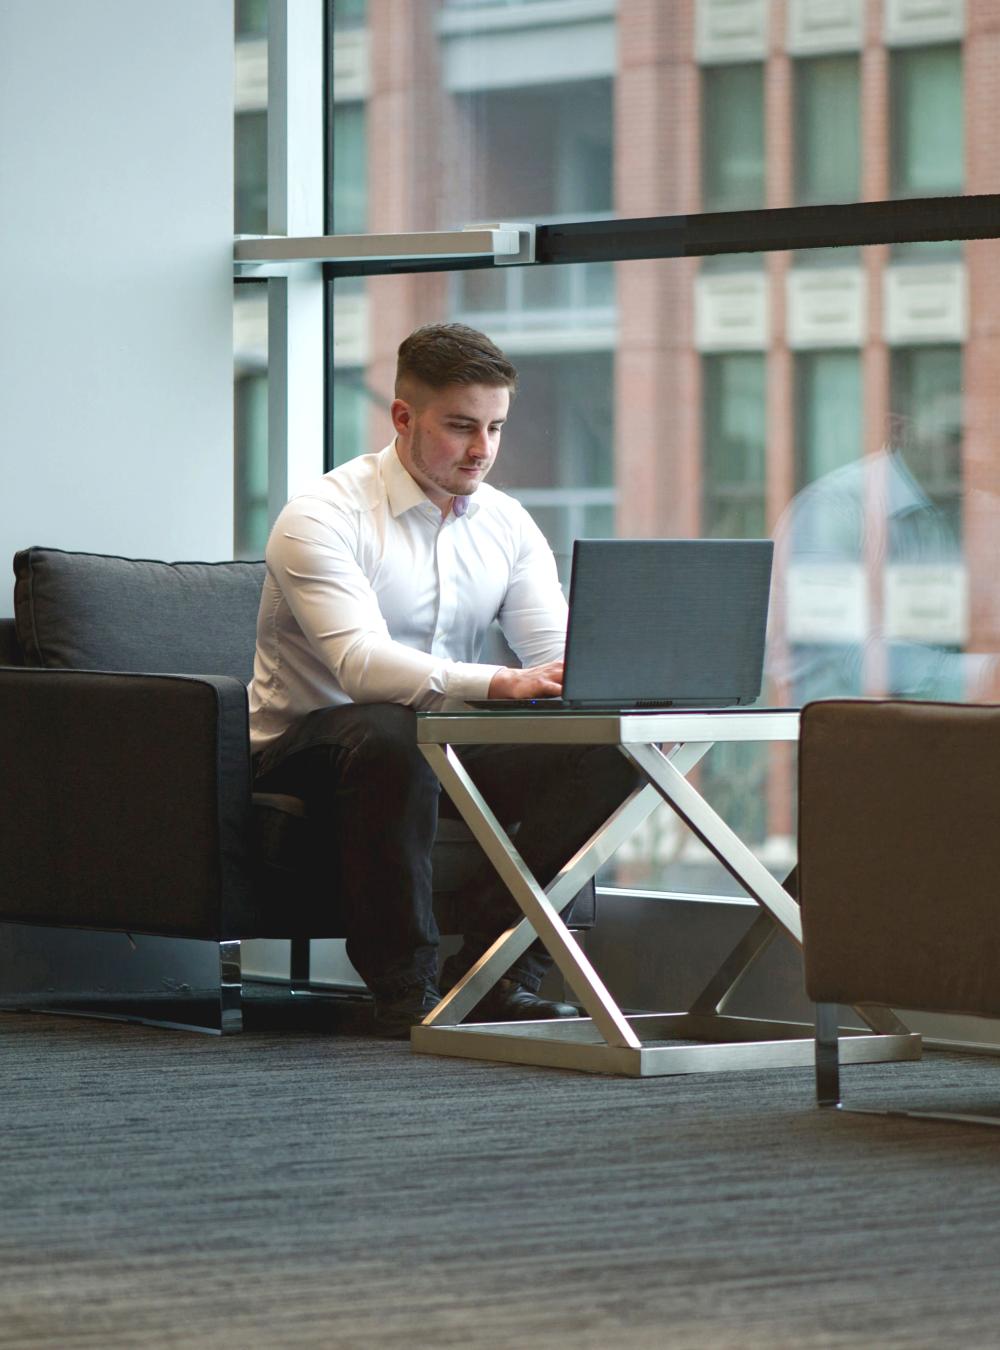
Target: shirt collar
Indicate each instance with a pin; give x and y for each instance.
(403, 492)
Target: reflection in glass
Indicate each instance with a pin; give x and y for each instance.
(927, 402)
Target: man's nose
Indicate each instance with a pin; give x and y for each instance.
(479, 445)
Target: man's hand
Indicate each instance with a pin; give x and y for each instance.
(532, 682)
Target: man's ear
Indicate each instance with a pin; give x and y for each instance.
(402, 414)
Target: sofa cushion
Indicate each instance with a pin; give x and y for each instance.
(90, 611)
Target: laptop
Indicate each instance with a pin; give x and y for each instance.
(661, 624)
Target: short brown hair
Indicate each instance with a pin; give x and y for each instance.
(440, 354)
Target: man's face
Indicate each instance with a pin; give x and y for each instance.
(447, 439)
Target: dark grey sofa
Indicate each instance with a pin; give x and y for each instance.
(126, 800)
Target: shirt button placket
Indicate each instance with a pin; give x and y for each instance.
(447, 597)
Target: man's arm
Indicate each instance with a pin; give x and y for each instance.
(312, 554)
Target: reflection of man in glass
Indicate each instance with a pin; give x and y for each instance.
(872, 585)
(383, 579)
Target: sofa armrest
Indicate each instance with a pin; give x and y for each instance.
(124, 802)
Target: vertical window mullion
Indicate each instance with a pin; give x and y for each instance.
(295, 207)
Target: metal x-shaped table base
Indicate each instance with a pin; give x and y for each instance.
(606, 1040)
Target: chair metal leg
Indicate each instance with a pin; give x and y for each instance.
(230, 987)
(827, 1055)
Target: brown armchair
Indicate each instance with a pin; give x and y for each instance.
(899, 862)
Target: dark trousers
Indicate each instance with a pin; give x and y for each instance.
(359, 770)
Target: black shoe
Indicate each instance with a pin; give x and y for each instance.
(394, 1017)
(509, 1001)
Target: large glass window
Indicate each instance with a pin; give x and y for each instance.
(723, 395)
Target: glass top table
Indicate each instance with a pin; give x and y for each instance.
(664, 747)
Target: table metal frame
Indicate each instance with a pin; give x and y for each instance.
(606, 1040)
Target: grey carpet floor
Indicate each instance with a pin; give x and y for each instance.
(300, 1186)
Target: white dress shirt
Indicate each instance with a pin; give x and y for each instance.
(372, 597)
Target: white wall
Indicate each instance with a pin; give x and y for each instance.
(116, 202)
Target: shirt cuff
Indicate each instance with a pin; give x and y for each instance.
(464, 680)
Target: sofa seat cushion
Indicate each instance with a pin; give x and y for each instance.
(91, 611)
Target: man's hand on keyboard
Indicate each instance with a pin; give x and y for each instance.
(531, 682)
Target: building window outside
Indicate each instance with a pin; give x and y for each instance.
(828, 412)
(541, 155)
(558, 449)
(536, 153)
(927, 135)
(349, 195)
(827, 129)
(824, 530)
(735, 430)
(352, 402)
(545, 150)
(732, 137)
(349, 13)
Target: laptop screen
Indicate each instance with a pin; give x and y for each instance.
(667, 622)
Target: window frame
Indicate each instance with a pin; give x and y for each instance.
(300, 149)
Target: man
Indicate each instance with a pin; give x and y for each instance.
(382, 581)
